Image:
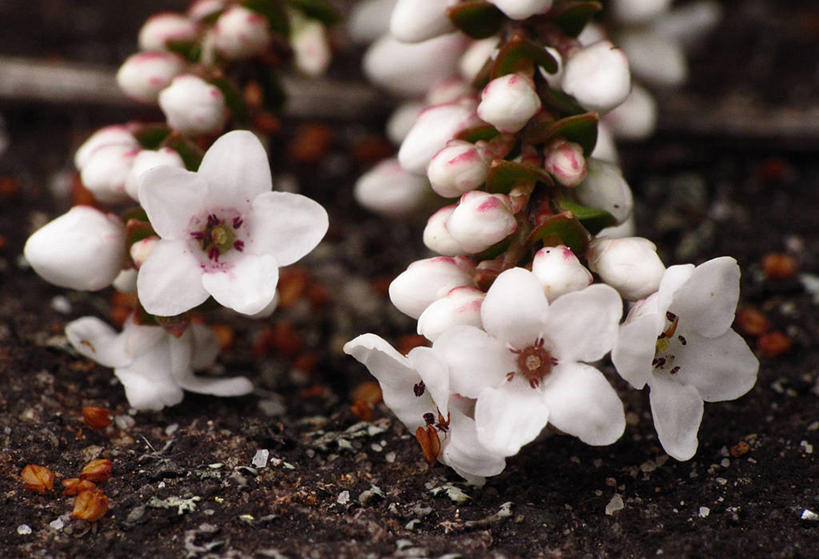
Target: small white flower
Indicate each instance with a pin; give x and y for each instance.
(369, 19)
(115, 134)
(388, 189)
(240, 33)
(528, 366)
(559, 271)
(597, 76)
(436, 235)
(475, 57)
(144, 74)
(413, 21)
(654, 58)
(83, 249)
(193, 106)
(425, 281)
(456, 169)
(679, 341)
(481, 220)
(148, 159)
(522, 9)
(565, 162)
(311, 48)
(461, 305)
(606, 189)
(630, 265)
(164, 27)
(223, 232)
(433, 128)
(402, 119)
(636, 117)
(106, 171)
(639, 11)
(153, 365)
(416, 389)
(508, 102)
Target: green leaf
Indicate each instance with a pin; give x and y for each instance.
(151, 136)
(317, 9)
(189, 50)
(562, 229)
(518, 54)
(478, 133)
(581, 129)
(476, 18)
(190, 153)
(593, 219)
(573, 15)
(505, 175)
(137, 229)
(560, 102)
(275, 13)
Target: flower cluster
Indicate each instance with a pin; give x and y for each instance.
(538, 210)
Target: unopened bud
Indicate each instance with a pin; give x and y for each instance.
(144, 74)
(476, 56)
(461, 306)
(508, 102)
(414, 21)
(148, 159)
(202, 9)
(456, 169)
(522, 9)
(240, 33)
(630, 265)
(367, 21)
(606, 189)
(654, 58)
(434, 127)
(436, 234)
(106, 171)
(140, 250)
(116, 134)
(565, 162)
(448, 91)
(426, 281)
(597, 76)
(311, 48)
(636, 117)
(638, 11)
(402, 119)
(161, 28)
(559, 271)
(193, 106)
(481, 220)
(390, 190)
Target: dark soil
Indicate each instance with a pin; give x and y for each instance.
(184, 483)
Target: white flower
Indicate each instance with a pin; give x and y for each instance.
(193, 106)
(559, 271)
(106, 171)
(597, 76)
(475, 57)
(311, 48)
(240, 33)
(148, 159)
(369, 19)
(413, 21)
(223, 232)
(402, 119)
(606, 189)
(565, 162)
(508, 102)
(481, 220)
(636, 117)
(436, 235)
(416, 389)
(639, 11)
(116, 134)
(654, 58)
(153, 365)
(528, 366)
(164, 27)
(456, 169)
(679, 341)
(144, 74)
(82, 249)
(461, 305)
(433, 128)
(522, 9)
(425, 281)
(629, 264)
(389, 190)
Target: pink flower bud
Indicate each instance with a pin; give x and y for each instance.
(654, 58)
(597, 76)
(140, 250)
(565, 162)
(475, 57)
(636, 117)
(388, 189)
(144, 74)
(605, 148)
(481, 220)
(193, 106)
(311, 48)
(426, 281)
(606, 189)
(116, 134)
(369, 20)
(508, 102)
(448, 91)
(522, 9)
(456, 169)
(82, 249)
(630, 265)
(202, 9)
(433, 128)
(461, 306)
(125, 282)
(638, 11)
(240, 33)
(414, 21)
(106, 171)
(436, 234)
(148, 159)
(402, 119)
(164, 27)
(559, 271)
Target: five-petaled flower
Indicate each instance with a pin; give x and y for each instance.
(223, 232)
(679, 341)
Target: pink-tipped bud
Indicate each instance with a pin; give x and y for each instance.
(116, 134)
(456, 169)
(522, 9)
(148, 159)
(106, 171)
(436, 234)
(476, 57)
(481, 220)
(413, 21)
(161, 28)
(240, 33)
(140, 250)
(388, 189)
(636, 117)
(311, 48)
(144, 74)
(202, 9)
(448, 91)
(630, 265)
(597, 76)
(559, 271)
(508, 102)
(402, 120)
(426, 281)
(461, 306)
(565, 162)
(193, 106)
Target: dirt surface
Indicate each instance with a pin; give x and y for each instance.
(190, 481)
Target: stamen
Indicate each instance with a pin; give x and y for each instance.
(198, 235)
(213, 220)
(237, 222)
(682, 339)
(429, 418)
(213, 254)
(239, 245)
(674, 371)
(419, 389)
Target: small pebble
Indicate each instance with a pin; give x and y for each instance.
(260, 458)
(343, 497)
(24, 529)
(704, 512)
(807, 514)
(57, 524)
(61, 304)
(616, 504)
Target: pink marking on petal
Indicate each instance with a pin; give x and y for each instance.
(489, 204)
(466, 157)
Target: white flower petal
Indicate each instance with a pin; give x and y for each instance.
(722, 368)
(435, 375)
(170, 197)
(148, 383)
(583, 324)
(706, 303)
(475, 359)
(246, 285)
(170, 280)
(215, 386)
(677, 412)
(205, 345)
(95, 339)
(236, 170)
(582, 403)
(515, 308)
(635, 348)
(464, 453)
(286, 225)
(673, 278)
(509, 416)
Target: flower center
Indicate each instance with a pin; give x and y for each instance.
(663, 356)
(534, 362)
(218, 236)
